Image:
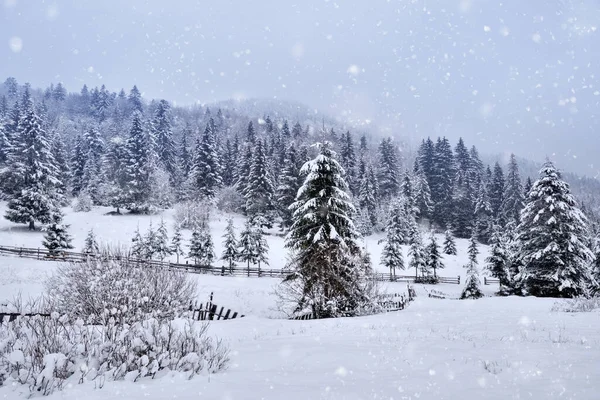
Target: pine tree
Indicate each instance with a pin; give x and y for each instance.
(207, 257)
(368, 193)
(442, 182)
(290, 181)
(206, 169)
(512, 199)
(165, 147)
(261, 247)
(139, 168)
(348, 161)
(328, 274)
(551, 238)
(260, 191)
(177, 242)
(62, 165)
(473, 251)
(230, 245)
(162, 248)
(138, 246)
(57, 239)
(422, 195)
(92, 170)
(388, 170)
(244, 163)
(527, 188)
(449, 243)
(91, 244)
(392, 256)
(33, 169)
(434, 258)
(497, 262)
(251, 133)
(496, 190)
(228, 160)
(150, 243)
(184, 153)
(416, 252)
(483, 216)
(78, 159)
(196, 245)
(247, 251)
(135, 100)
(472, 289)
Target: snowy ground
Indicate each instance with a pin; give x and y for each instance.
(494, 348)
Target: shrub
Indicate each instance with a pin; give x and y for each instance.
(577, 305)
(229, 200)
(191, 214)
(47, 353)
(112, 286)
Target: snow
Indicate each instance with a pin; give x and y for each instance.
(492, 348)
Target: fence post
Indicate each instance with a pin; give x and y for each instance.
(459, 280)
(485, 280)
(38, 253)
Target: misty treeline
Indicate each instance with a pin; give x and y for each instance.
(118, 150)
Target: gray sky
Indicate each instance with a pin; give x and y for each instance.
(515, 76)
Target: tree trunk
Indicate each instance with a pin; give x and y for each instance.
(31, 225)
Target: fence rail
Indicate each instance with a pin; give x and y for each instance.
(71, 256)
(490, 281)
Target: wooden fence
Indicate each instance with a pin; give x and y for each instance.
(208, 311)
(71, 256)
(490, 281)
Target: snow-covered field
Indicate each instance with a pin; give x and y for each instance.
(493, 348)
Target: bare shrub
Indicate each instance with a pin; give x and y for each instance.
(577, 305)
(83, 203)
(112, 285)
(191, 214)
(229, 200)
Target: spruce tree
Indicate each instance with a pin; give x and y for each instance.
(512, 198)
(33, 169)
(162, 248)
(391, 255)
(449, 243)
(422, 195)
(92, 167)
(247, 250)
(135, 100)
(473, 251)
(230, 245)
(527, 189)
(551, 239)
(177, 242)
(207, 257)
(196, 245)
(165, 147)
(434, 257)
(259, 190)
(250, 133)
(206, 169)
(498, 260)
(328, 275)
(483, 215)
(91, 244)
(184, 153)
(57, 239)
(348, 161)
(388, 169)
(228, 161)
(138, 246)
(472, 289)
(367, 195)
(416, 252)
(443, 182)
(244, 165)
(290, 181)
(150, 243)
(496, 190)
(261, 247)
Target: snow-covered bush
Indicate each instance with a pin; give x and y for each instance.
(83, 203)
(111, 285)
(191, 214)
(580, 304)
(46, 353)
(228, 199)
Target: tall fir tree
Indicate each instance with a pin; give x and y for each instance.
(328, 275)
(33, 169)
(163, 134)
(434, 257)
(449, 243)
(177, 242)
(259, 190)
(416, 251)
(551, 239)
(498, 260)
(391, 255)
(443, 182)
(388, 169)
(422, 195)
(247, 245)
(512, 198)
(484, 222)
(290, 181)
(135, 100)
(496, 190)
(348, 161)
(205, 175)
(230, 246)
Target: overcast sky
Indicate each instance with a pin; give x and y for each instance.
(513, 76)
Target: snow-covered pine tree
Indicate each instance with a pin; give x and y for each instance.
(367, 195)
(135, 100)
(244, 164)
(60, 157)
(185, 163)
(449, 243)
(472, 289)
(207, 256)
(290, 181)
(512, 198)
(442, 183)
(165, 147)
(115, 173)
(328, 274)
(91, 244)
(416, 252)
(527, 189)
(139, 168)
(247, 245)
(205, 175)
(408, 192)
(422, 195)
(150, 243)
(196, 245)
(496, 190)
(259, 190)
(472, 250)
(483, 215)
(250, 133)
(33, 169)
(57, 239)
(498, 260)
(177, 242)
(162, 248)
(261, 246)
(388, 169)
(392, 256)
(348, 161)
(230, 245)
(228, 161)
(92, 178)
(551, 239)
(138, 245)
(434, 257)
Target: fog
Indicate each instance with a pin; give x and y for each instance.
(513, 76)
